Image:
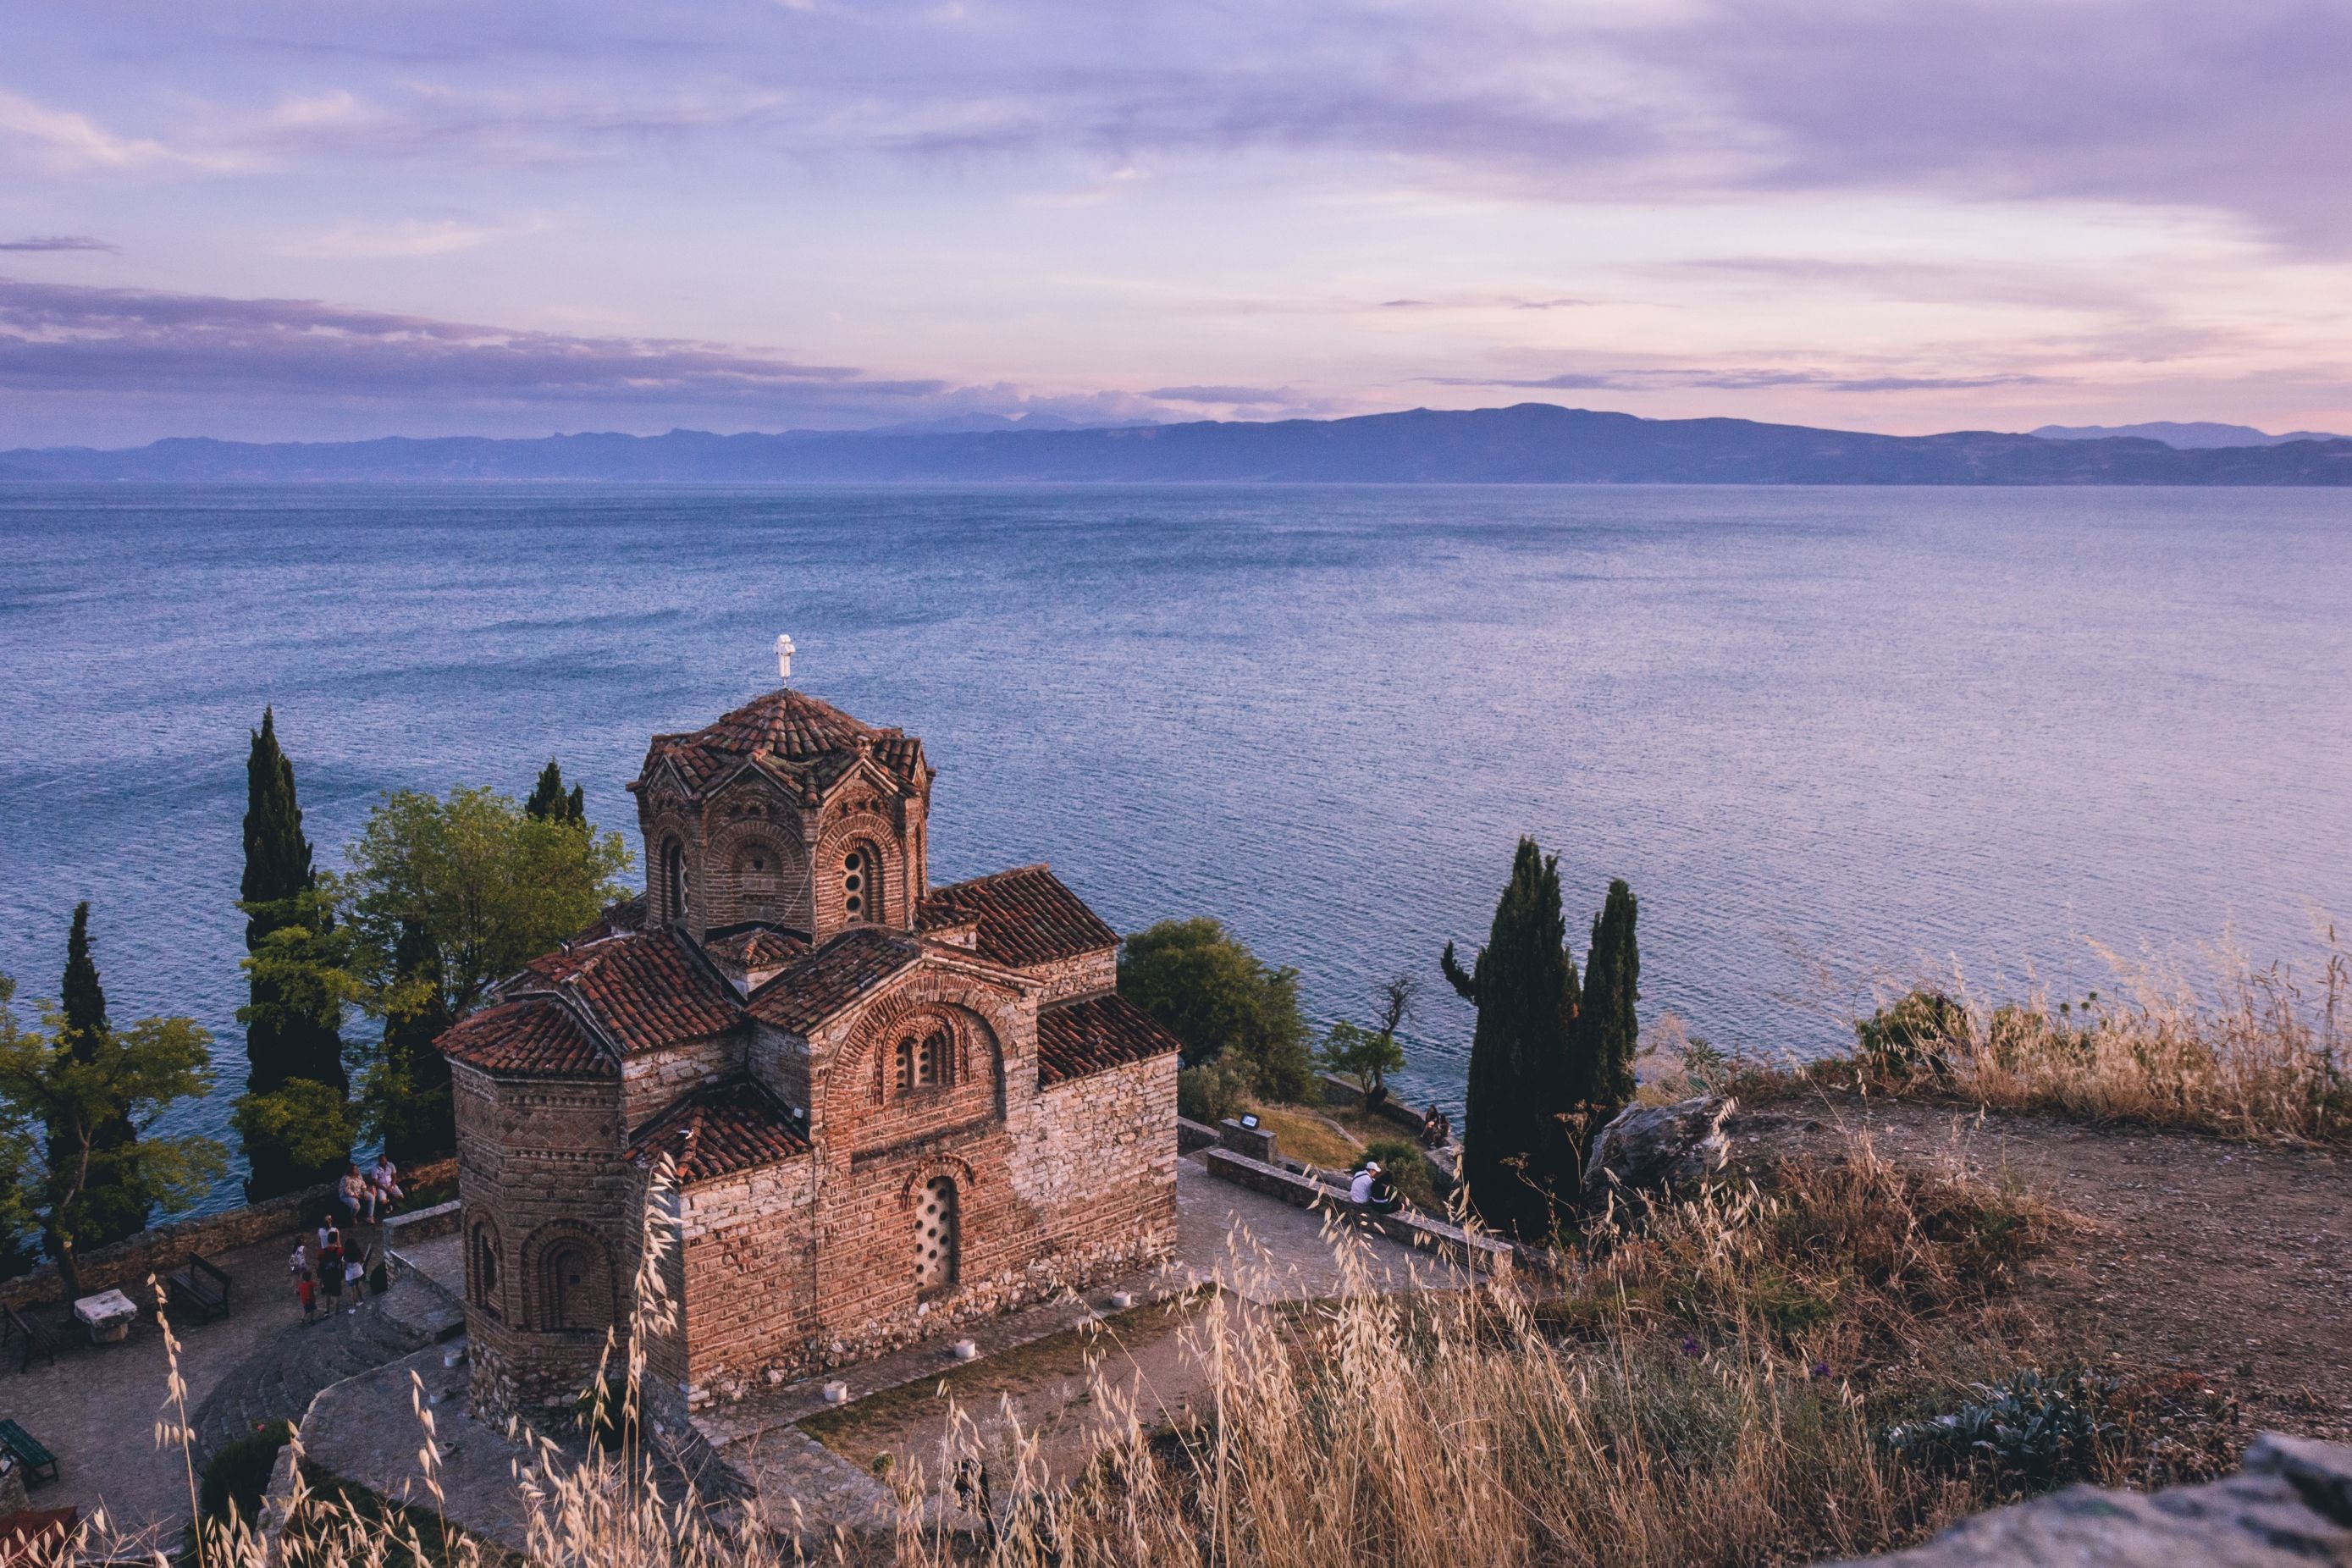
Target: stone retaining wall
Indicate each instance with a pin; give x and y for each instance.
(1191, 1135)
(423, 1225)
(1448, 1241)
(126, 1265)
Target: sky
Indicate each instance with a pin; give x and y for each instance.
(330, 219)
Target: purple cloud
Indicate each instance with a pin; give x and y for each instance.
(60, 242)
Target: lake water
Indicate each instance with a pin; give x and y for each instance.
(1840, 728)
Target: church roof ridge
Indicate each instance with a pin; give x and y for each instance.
(804, 739)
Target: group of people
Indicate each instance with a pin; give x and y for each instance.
(320, 1278)
(1436, 1127)
(1374, 1189)
(362, 1197)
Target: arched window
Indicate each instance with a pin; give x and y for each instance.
(925, 1062)
(674, 880)
(937, 1236)
(575, 1287)
(484, 1258)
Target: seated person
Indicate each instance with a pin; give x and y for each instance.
(1359, 1190)
(1384, 1198)
(1432, 1127)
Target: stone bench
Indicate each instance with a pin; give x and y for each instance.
(1448, 1241)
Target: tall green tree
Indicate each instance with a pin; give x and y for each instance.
(1519, 1152)
(110, 1210)
(59, 1092)
(1209, 991)
(1613, 984)
(487, 883)
(295, 973)
(549, 801)
(406, 1092)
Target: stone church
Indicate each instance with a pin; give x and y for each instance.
(889, 1108)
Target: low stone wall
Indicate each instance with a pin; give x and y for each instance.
(1191, 1135)
(126, 1265)
(423, 1225)
(1450, 1242)
(1343, 1094)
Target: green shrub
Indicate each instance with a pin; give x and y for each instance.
(2027, 1435)
(1913, 1036)
(1415, 1177)
(239, 1473)
(1214, 1091)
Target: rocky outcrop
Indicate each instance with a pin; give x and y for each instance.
(1649, 1148)
(2289, 1507)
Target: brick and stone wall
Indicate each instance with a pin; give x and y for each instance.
(748, 1249)
(546, 1194)
(653, 1081)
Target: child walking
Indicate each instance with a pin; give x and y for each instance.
(306, 1290)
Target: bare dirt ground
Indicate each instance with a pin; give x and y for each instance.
(2230, 1260)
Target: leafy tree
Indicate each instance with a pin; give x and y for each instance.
(110, 1211)
(59, 1092)
(294, 966)
(490, 885)
(1361, 1054)
(305, 1120)
(1518, 1156)
(1207, 988)
(406, 1093)
(1612, 1034)
(549, 802)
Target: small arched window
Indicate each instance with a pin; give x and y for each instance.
(485, 1260)
(939, 1237)
(925, 1062)
(674, 880)
(577, 1289)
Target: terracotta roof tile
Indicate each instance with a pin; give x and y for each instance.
(720, 1131)
(757, 947)
(646, 988)
(533, 1037)
(831, 978)
(1025, 917)
(1094, 1035)
(795, 737)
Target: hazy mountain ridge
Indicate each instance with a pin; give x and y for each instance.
(1526, 444)
(2189, 435)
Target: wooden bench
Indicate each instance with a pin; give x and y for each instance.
(201, 1284)
(39, 1341)
(28, 1451)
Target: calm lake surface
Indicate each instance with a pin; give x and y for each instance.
(1846, 729)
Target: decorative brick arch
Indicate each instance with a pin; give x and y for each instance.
(884, 893)
(662, 830)
(568, 1283)
(925, 1170)
(866, 1062)
(759, 871)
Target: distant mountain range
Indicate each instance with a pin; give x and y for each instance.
(1532, 443)
(2194, 436)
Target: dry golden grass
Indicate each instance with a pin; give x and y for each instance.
(1712, 1386)
(2244, 1052)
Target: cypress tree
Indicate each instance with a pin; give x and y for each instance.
(1613, 984)
(1518, 1156)
(549, 802)
(112, 1210)
(413, 1109)
(288, 1035)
